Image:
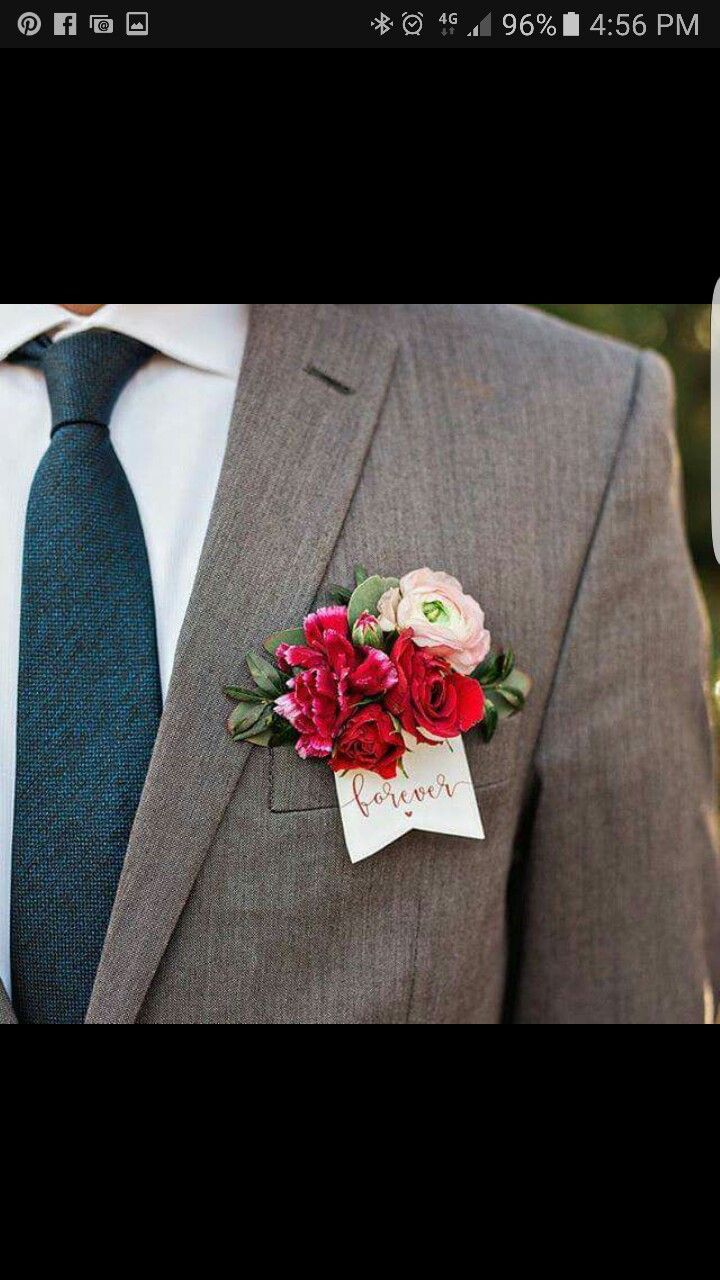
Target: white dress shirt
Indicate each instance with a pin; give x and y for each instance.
(169, 428)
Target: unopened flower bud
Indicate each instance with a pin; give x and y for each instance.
(367, 631)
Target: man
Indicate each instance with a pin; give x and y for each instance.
(155, 871)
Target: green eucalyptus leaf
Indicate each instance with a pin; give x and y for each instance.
(293, 635)
(361, 574)
(266, 676)
(243, 695)
(364, 598)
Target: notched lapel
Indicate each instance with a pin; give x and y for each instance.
(295, 453)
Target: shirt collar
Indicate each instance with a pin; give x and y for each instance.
(20, 321)
(208, 335)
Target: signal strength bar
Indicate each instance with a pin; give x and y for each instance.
(483, 28)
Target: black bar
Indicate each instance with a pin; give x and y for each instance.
(354, 24)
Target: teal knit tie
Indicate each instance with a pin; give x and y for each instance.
(89, 696)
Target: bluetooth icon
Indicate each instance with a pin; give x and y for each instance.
(382, 24)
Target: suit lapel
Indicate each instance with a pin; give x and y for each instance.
(310, 391)
(7, 1013)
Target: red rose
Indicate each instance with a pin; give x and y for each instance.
(368, 740)
(429, 694)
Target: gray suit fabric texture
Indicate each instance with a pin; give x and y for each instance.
(538, 464)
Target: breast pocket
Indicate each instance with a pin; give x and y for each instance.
(495, 762)
(300, 786)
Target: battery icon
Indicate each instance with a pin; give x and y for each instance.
(571, 24)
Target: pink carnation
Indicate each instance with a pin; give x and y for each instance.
(335, 676)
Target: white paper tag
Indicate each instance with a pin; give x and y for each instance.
(437, 795)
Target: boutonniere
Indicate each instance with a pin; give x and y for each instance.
(392, 664)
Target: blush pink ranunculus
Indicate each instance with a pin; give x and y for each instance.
(331, 676)
(441, 615)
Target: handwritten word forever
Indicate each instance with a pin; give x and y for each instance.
(401, 799)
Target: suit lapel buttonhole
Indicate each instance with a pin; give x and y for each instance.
(336, 385)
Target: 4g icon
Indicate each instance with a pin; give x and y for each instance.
(448, 22)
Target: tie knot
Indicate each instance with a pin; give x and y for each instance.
(84, 373)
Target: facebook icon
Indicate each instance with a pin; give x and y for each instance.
(65, 24)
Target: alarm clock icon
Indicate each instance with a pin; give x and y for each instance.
(412, 24)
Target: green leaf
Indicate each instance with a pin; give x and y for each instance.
(509, 697)
(243, 695)
(260, 739)
(294, 635)
(504, 707)
(520, 680)
(489, 722)
(246, 717)
(339, 595)
(513, 696)
(496, 668)
(269, 730)
(266, 677)
(488, 670)
(364, 598)
(282, 731)
(361, 574)
(255, 733)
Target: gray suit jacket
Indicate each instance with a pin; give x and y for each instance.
(537, 463)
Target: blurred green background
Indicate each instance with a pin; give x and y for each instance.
(680, 331)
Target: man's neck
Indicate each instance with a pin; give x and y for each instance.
(81, 308)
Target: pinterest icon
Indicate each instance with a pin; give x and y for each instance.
(29, 24)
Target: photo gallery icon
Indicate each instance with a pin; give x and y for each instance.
(136, 24)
